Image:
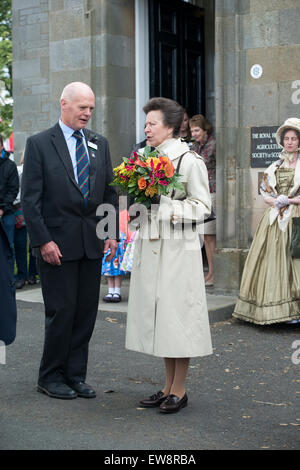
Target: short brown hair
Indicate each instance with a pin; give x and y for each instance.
(200, 121)
(171, 110)
(1, 140)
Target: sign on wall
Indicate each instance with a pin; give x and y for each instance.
(264, 148)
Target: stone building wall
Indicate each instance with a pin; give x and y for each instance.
(248, 32)
(59, 41)
(31, 85)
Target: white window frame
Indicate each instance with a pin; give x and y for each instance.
(142, 80)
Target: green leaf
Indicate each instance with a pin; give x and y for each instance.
(147, 151)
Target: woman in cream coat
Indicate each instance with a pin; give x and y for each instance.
(167, 310)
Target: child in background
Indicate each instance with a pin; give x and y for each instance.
(126, 264)
(112, 269)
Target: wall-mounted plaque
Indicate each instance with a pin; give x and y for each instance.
(264, 148)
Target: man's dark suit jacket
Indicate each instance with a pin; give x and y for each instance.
(8, 309)
(51, 200)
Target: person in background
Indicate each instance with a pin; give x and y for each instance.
(20, 243)
(112, 269)
(8, 316)
(185, 132)
(270, 285)
(9, 188)
(205, 145)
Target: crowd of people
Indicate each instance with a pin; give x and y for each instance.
(23, 263)
(66, 175)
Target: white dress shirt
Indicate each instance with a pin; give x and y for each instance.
(71, 143)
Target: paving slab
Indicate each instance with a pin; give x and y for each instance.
(220, 307)
(242, 397)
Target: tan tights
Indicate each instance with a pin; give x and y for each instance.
(176, 372)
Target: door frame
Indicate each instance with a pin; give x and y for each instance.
(142, 72)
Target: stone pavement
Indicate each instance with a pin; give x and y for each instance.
(243, 396)
(219, 306)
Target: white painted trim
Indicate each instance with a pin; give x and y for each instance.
(142, 81)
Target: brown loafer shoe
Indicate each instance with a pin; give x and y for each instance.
(154, 400)
(172, 404)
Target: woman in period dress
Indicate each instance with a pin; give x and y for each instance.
(167, 310)
(270, 286)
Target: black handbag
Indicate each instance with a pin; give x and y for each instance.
(295, 238)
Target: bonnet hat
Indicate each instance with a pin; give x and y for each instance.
(290, 123)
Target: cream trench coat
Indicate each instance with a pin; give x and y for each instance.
(167, 309)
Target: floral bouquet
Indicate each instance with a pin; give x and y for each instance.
(146, 175)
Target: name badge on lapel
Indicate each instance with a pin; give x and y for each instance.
(92, 145)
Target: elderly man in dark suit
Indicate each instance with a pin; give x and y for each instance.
(67, 175)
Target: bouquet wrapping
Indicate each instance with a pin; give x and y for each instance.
(145, 175)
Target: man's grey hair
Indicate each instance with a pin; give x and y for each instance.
(71, 90)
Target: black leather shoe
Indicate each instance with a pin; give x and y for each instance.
(83, 390)
(116, 298)
(154, 400)
(57, 390)
(20, 283)
(107, 298)
(172, 404)
(31, 280)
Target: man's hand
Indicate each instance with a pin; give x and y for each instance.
(111, 245)
(51, 253)
(1, 212)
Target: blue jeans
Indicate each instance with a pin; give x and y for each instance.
(8, 222)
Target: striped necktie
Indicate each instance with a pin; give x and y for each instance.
(83, 167)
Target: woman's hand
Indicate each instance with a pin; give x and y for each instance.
(295, 200)
(282, 201)
(270, 201)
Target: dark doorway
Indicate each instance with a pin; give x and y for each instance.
(177, 53)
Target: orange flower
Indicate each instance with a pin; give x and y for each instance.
(140, 163)
(169, 170)
(150, 191)
(142, 183)
(164, 160)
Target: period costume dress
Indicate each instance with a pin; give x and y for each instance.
(167, 310)
(270, 286)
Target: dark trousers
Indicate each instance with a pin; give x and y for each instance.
(8, 222)
(20, 245)
(32, 270)
(71, 296)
